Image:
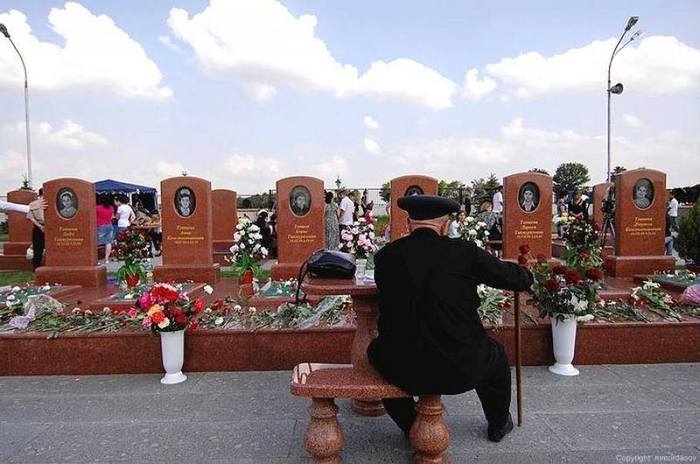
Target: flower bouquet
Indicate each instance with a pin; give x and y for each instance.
(132, 248)
(583, 248)
(247, 250)
(474, 231)
(359, 240)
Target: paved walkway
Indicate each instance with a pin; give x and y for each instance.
(609, 414)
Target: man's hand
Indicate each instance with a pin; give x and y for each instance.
(40, 205)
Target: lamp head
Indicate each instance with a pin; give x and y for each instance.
(637, 35)
(631, 22)
(616, 89)
(4, 31)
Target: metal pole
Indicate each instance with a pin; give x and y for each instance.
(518, 358)
(26, 114)
(609, 95)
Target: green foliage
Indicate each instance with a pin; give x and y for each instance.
(569, 177)
(257, 201)
(385, 192)
(540, 171)
(619, 169)
(688, 243)
(452, 190)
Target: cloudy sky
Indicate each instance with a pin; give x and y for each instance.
(244, 92)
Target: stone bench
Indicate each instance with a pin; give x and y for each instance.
(324, 437)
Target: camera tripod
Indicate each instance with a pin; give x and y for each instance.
(608, 226)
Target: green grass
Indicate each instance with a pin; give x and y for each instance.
(262, 275)
(4, 237)
(11, 278)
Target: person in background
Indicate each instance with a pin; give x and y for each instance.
(346, 210)
(125, 215)
(36, 217)
(579, 206)
(562, 211)
(369, 215)
(669, 236)
(331, 222)
(456, 223)
(497, 201)
(673, 210)
(105, 232)
(493, 225)
(356, 202)
(468, 194)
(156, 232)
(265, 229)
(273, 240)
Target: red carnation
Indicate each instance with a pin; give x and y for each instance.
(164, 293)
(558, 269)
(194, 324)
(552, 285)
(572, 276)
(179, 317)
(158, 317)
(522, 260)
(541, 257)
(524, 249)
(594, 274)
(198, 306)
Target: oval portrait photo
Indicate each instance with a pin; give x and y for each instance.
(529, 197)
(300, 200)
(643, 194)
(67, 203)
(185, 201)
(413, 190)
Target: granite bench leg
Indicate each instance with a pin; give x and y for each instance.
(429, 434)
(371, 408)
(324, 437)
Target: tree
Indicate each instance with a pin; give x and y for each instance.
(569, 177)
(688, 244)
(385, 192)
(618, 169)
(538, 170)
(451, 190)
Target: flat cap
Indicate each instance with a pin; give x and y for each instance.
(423, 207)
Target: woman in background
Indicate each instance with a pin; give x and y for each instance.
(105, 231)
(331, 221)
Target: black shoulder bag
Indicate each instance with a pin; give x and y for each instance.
(328, 264)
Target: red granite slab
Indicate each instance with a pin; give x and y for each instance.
(224, 220)
(125, 304)
(524, 224)
(600, 193)
(402, 186)
(71, 241)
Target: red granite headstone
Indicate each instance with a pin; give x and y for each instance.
(224, 220)
(527, 214)
(640, 215)
(600, 194)
(187, 231)
(14, 251)
(300, 223)
(71, 241)
(404, 186)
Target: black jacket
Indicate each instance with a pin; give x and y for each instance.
(431, 339)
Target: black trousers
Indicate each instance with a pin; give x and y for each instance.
(38, 246)
(493, 392)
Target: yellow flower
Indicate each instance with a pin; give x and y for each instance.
(154, 309)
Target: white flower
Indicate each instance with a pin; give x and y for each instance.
(469, 219)
(479, 243)
(237, 308)
(481, 224)
(472, 233)
(487, 233)
(236, 236)
(239, 226)
(254, 228)
(585, 318)
(164, 323)
(219, 320)
(16, 289)
(46, 288)
(242, 246)
(128, 296)
(10, 298)
(208, 289)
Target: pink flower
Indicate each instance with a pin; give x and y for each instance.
(133, 312)
(146, 301)
(146, 324)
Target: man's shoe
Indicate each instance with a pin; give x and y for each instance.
(497, 434)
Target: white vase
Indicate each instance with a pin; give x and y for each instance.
(563, 344)
(172, 346)
(360, 268)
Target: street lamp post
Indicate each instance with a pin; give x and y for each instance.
(617, 88)
(4, 31)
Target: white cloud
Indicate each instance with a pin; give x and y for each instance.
(408, 81)
(632, 121)
(370, 122)
(659, 64)
(97, 55)
(168, 42)
(166, 169)
(70, 135)
(263, 45)
(475, 88)
(372, 146)
(244, 165)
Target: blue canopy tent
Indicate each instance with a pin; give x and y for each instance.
(147, 195)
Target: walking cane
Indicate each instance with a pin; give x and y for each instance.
(518, 358)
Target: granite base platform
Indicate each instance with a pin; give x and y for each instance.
(267, 349)
(85, 276)
(208, 273)
(62, 292)
(628, 266)
(12, 262)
